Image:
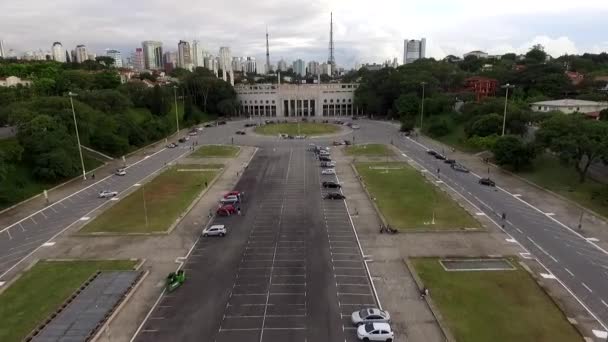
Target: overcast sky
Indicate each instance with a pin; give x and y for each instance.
(364, 30)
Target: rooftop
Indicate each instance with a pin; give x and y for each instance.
(567, 102)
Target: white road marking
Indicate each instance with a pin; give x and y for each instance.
(567, 270)
(547, 276)
(587, 287)
(600, 333)
(85, 218)
(550, 214)
(542, 249)
(48, 244)
(592, 239)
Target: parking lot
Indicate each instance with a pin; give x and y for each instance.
(288, 270)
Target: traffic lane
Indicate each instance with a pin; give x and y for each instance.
(194, 311)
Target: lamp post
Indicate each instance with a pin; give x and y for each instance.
(422, 107)
(504, 117)
(176, 117)
(84, 173)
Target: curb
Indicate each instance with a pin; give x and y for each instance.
(438, 317)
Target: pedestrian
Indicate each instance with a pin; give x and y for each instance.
(210, 213)
(93, 176)
(238, 210)
(205, 184)
(424, 292)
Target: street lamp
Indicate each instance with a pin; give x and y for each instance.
(504, 117)
(422, 107)
(176, 117)
(84, 173)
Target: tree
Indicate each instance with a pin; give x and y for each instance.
(106, 100)
(484, 125)
(576, 140)
(106, 80)
(438, 127)
(604, 115)
(512, 151)
(408, 105)
(537, 54)
(407, 124)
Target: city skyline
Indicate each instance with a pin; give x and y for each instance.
(363, 32)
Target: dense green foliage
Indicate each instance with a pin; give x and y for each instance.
(512, 151)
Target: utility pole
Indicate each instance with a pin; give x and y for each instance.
(84, 173)
(176, 117)
(143, 191)
(422, 107)
(504, 117)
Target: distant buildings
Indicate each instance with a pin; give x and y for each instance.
(282, 65)
(569, 106)
(153, 55)
(170, 61)
(117, 57)
(476, 53)
(13, 81)
(184, 57)
(299, 67)
(80, 53)
(481, 86)
(413, 50)
(58, 53)
(251, 65)
(2, 49)
(198, 54)
(314, 68)
(138, 59)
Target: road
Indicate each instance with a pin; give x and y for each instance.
(578, 263)
(290, 268)
(21, 239)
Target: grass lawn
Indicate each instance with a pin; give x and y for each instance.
(498, 306)
(549, 173)
(406, 199)
(369, 150)
(303, 128)
(20, 184)
(166, 197)
(42, 289)
(216, 151)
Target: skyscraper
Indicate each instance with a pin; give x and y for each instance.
(282, 65)
(153, 55)
(81, 53)
(57, 51)
(250, 65)
(413, 50)
(198, 54)
(2, 49)
(314, 68)
(138, 59)
(184, 57)
(299, 67)
(225, 61)
(117, 57)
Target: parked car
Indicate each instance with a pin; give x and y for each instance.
(120, 172)
(230, 200)
(338, 143)
(347, 142)
(107, 194)
(431, 152)
(333, 185)
(370, 315)
(459, 167)
(226, 210)
(182, 140)
(355, 127)
(215, 230)
(375, 332)
(450, 161)
(208, 125)
(328, 164)
(328, 172)
(233, 193)
(440, 156)
(199, 129)
(172, 145)
(324, 159)
(334, 195)
(487, 182)
(221, 122)
(193, 133)
(240, 132)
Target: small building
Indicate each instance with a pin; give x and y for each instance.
(13, 81)
(481, 86)
(569, 106)
(476, 53)
(575, 77)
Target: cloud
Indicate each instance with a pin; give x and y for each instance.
(364, 31)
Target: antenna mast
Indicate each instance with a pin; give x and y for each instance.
(332, 60)
(267, 53)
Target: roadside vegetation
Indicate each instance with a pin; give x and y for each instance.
(369, 150)
(293, 129)
(471, 123)
(155, 205)
(216, 151)
(500, 306)
(408, 201)
(42, 289)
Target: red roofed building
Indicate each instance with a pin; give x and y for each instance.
(575, 77)
(481, 86)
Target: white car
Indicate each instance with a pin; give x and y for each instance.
(192, 134)
(215, 230)
(328, 172)
(200, 129)
(375, 332)
(370, 315)
(355, 127)
(121, 172)
(107, 194)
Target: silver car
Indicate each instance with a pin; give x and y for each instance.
(215, 230)
(370, 315)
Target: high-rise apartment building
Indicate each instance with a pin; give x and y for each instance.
(299, 67)
(170, 58)
(117, 57)
(225, 58)
(282, 65)
(211, 63)
(314, 68)
(153, 55)
(184, 57)
(2, 49)
(198, 54)
(138, 59)
(413, 50)
(251, 66)
(81, 53)
(57, 52)
(238, 64)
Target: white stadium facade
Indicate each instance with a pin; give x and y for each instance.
(297, 100)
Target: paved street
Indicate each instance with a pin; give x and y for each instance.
(290, 268)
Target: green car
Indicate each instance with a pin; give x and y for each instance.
(175, 280)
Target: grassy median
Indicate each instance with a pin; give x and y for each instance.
(155, 205)
(216, 151)
(408, 201)
(369, 150)
(302, 128)
(42, 289)
(498, 306)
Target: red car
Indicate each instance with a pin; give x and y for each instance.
(226, 210)
(233, 193)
